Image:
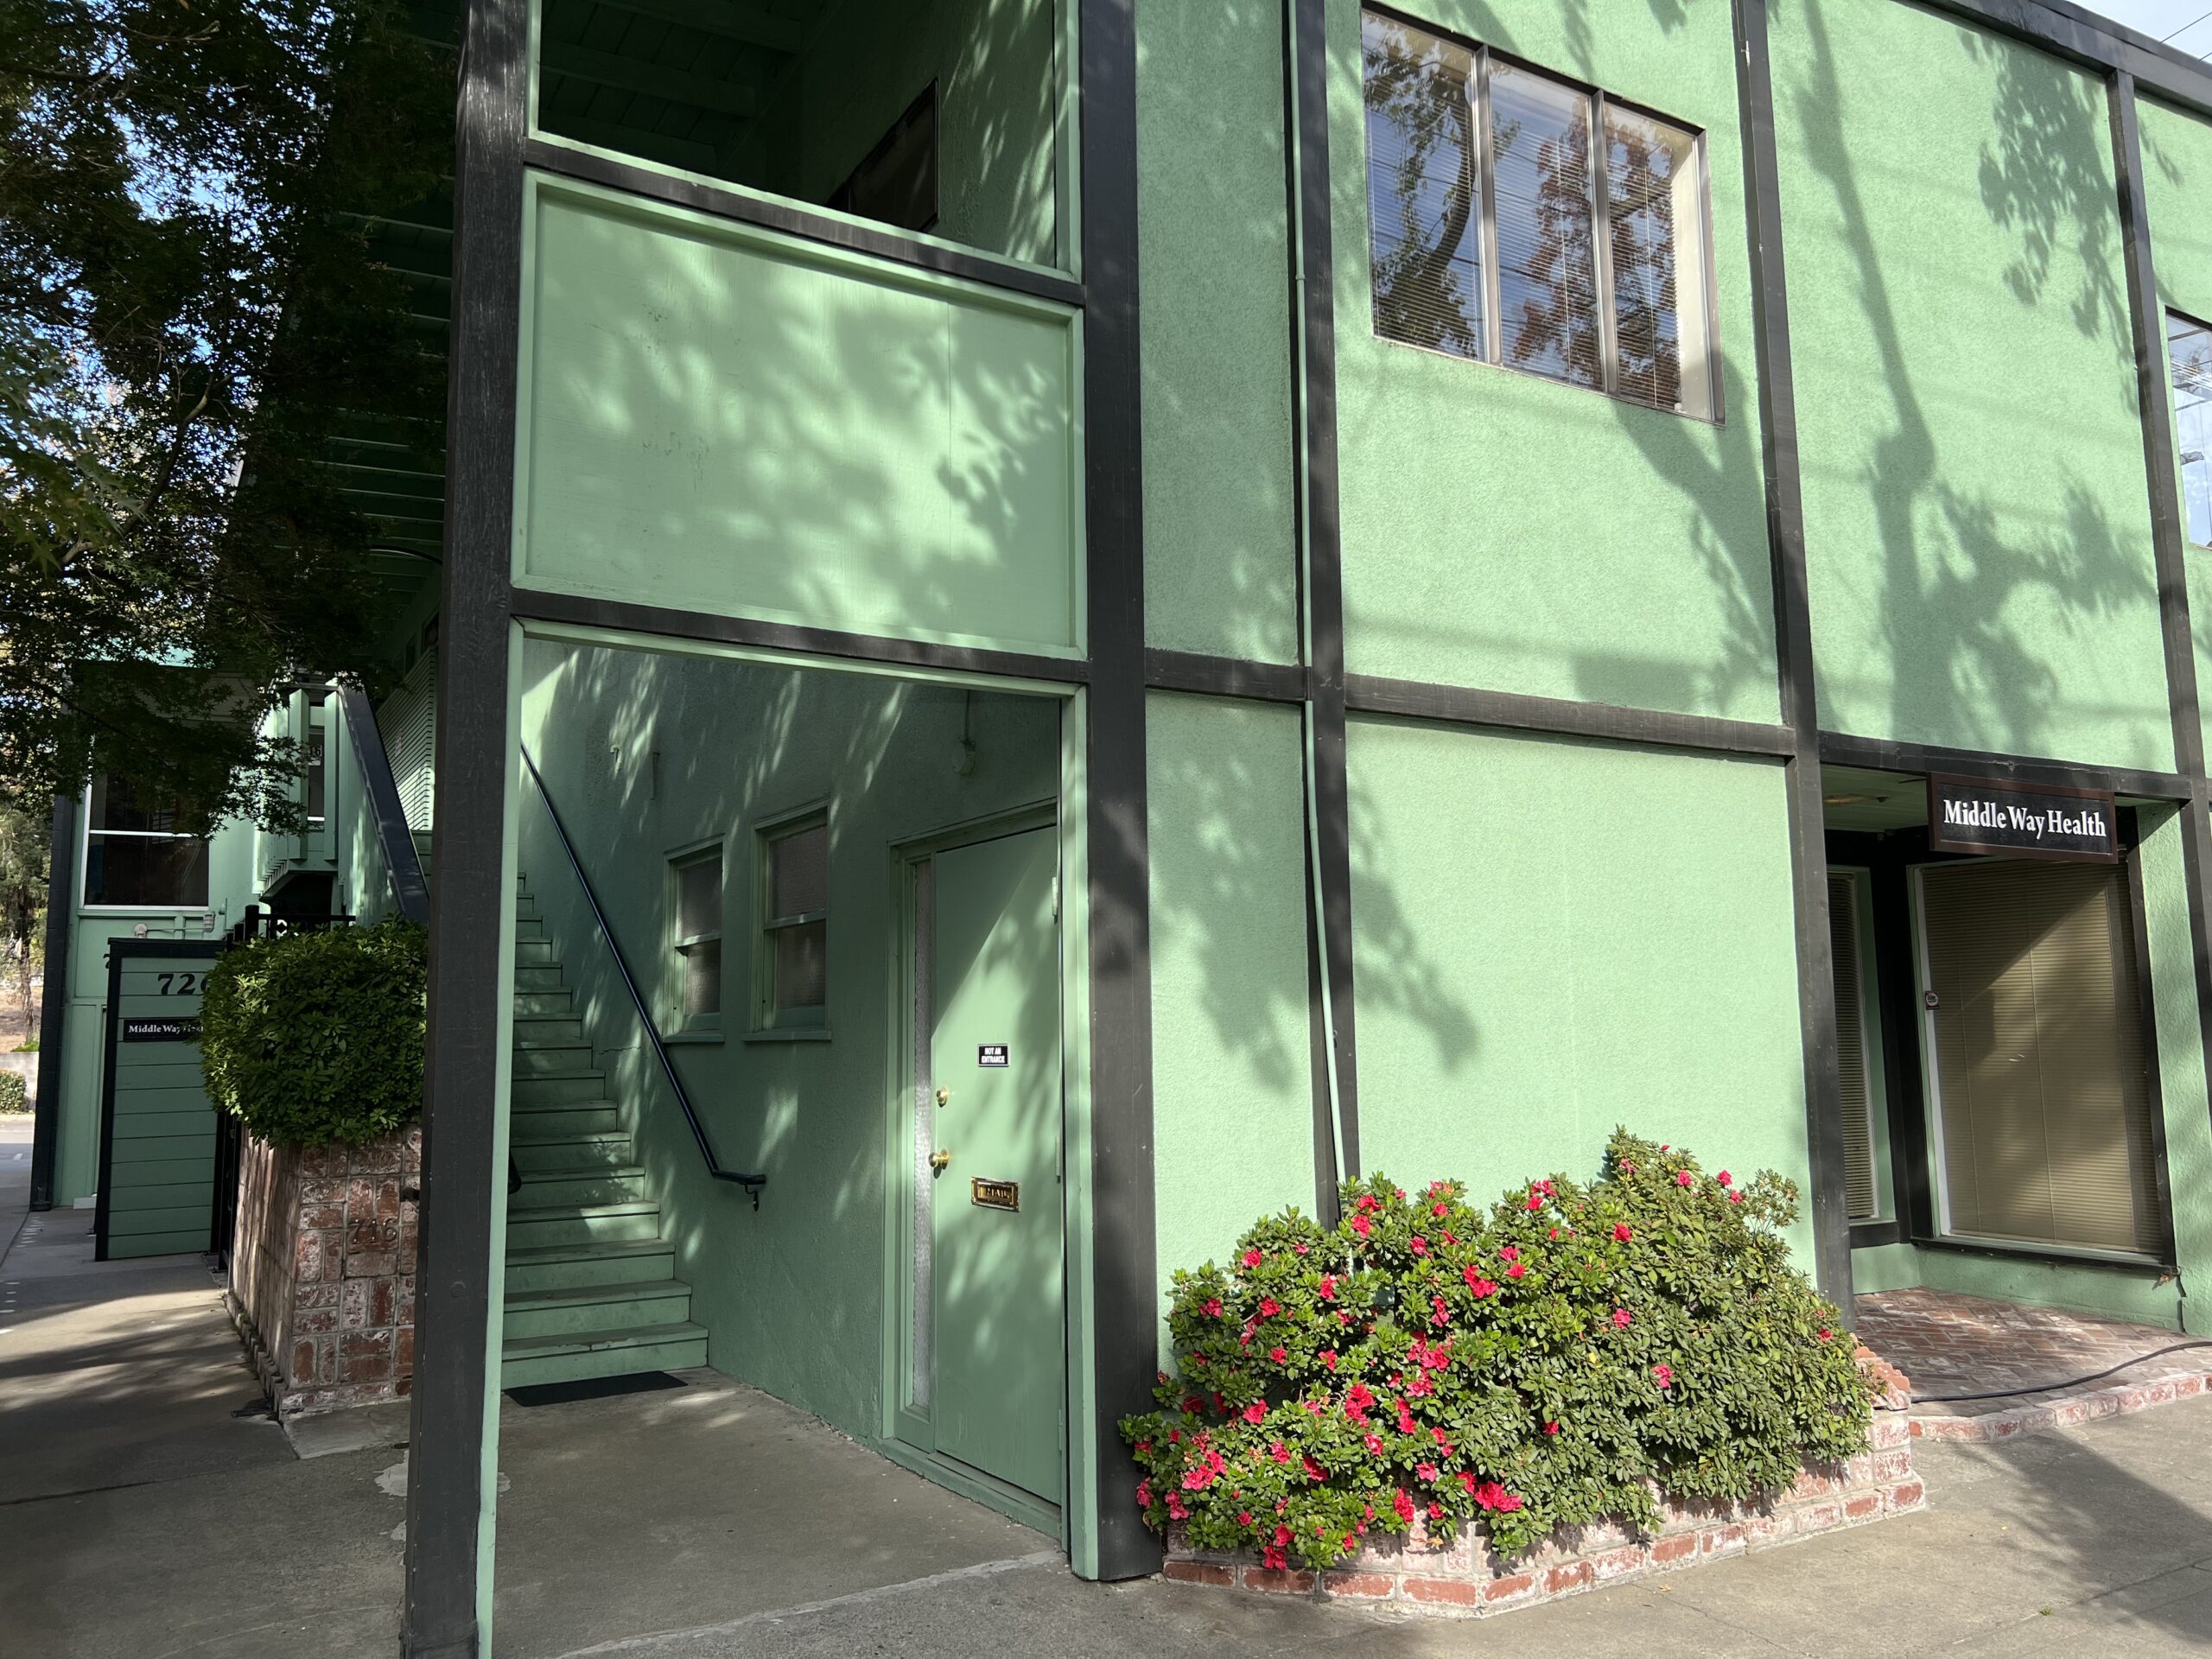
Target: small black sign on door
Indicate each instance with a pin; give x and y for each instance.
(990, 1054)
(169, 1030)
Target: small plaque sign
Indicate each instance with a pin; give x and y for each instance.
(2021, 820)
(995, 1195)
(168, 1029)
(990, 1054)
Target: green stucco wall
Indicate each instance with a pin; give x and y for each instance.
(2178, 186)
(2182, 1084)
(1553, 937)
(1625, 561)
(1976, 517)
(720, 418)
(792, 1294)
(1213, 244)
(1232, 1080)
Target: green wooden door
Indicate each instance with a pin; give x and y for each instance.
(158, 1152)
(996, 1206)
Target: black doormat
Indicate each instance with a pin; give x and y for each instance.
(592, 1388)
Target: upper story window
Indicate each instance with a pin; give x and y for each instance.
(698, 938)
(1520, 219)
(2188, 350)
(141, 851)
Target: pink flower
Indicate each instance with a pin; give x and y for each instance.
(1278, 1354)
(1177, 1510)
(1480, 1286)
(1621, 1318)
(1725, 1178)
(1244, 1518)
(1328, 1287)
(1253, 1258)
(1404, 1505)
(1622, 1233)
(1361, 1225)
(1314, 1471)
(1663, 1374)
(1280, 1452)
(1256, 1412)
(1359, 1397)
(1329, 1357)
(1426, 1472)
(1534, 1203)
(1735, 1198)
(1551, 1428)
(1418, 1245)
(1144, 1494)
(1269, 1307)
(1274, 1559)
(1283, 1537)
(1516, 1270)
(1213, 1307)
(1374, 1443)
(1298, 1249)
(1440, 1210)
(1681, 1178)
(1438, 1314)
(1510, 1253)
(1825, 1333)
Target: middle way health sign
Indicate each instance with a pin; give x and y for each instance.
(2020, 820)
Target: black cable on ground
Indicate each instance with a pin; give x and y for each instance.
(2049, 1388)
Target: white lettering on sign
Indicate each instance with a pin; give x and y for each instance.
(992, 1054)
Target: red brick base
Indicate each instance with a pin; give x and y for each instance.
(1461, 1575)
(322, 1273)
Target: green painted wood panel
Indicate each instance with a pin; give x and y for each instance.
(1220, 549)
(718, 418)
(1977, 518)
(1552, 939)
(165, 1195)
(153, 1149)
(1504, 531)
(2180, 1048)
(164, 1171)
(160, 1179)
(1231, 1056)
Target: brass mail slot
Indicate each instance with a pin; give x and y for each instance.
(995, 1195)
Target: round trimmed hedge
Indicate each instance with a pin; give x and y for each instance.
(1562, 1356)
(317, 1037)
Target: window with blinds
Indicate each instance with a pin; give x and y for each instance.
(1854, 1034)
(2042, 1103)
(2189, 353)
(795, 923)
(1517, 219)
(698, 938)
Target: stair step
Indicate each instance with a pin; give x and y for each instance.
(544, 1005)
(563, 1029)
(542, 1189)
(535, 953)
(569, 1089)
(607, 1261)
(526, 908)
(529, 927)
(581, 1224)
(591, 1309)
(612, 1353)
(611, 1149)
(564, 1121)
(552, 1059)
(545, 978)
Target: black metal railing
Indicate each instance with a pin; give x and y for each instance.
(752, 1184)
(409, 892)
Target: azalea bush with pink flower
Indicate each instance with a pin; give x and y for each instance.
(1567, 1356)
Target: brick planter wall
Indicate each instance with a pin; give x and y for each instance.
(1460, 1574)
(322, 1270)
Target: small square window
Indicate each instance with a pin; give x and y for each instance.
(140, 850)
(795, 924)
(698, 939)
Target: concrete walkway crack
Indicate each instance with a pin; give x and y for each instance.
(858, 1598)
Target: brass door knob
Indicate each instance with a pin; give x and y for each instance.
(940, 1161)
(942, 1096)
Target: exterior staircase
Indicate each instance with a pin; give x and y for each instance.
(591, 1287)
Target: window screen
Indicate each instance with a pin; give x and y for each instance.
(1862, 1193)
(1500, 228)
(796, 924)
(139, 850)
(2043, 1104)
(2189, 347)
(699, 937)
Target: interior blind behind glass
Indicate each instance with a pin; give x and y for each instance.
(1547, 269)
(1424, 184)
(2190, 345)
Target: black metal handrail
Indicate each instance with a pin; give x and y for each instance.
(752, 1184)
(409, 890)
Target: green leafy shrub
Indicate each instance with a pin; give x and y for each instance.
(318, 1037)
(1565, 1357)
(13, 1095)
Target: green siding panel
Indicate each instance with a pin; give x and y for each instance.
(2180, 1057)
(135, 1199)
(1553, 937)
(720, 418)
(1505, 531)
(185, 1239)
(1232, 1079)
(1977, 520)
(1214, 244)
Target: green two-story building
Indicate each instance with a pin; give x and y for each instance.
(1064, 621)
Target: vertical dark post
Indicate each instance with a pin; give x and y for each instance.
(472, 892)
(2169, 538)
(1321, 573)
(1793, 648)
(1124, 1254)
(54, 1004)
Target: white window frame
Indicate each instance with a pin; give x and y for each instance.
(767, 1023)
(713, 850)
(85, 834)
